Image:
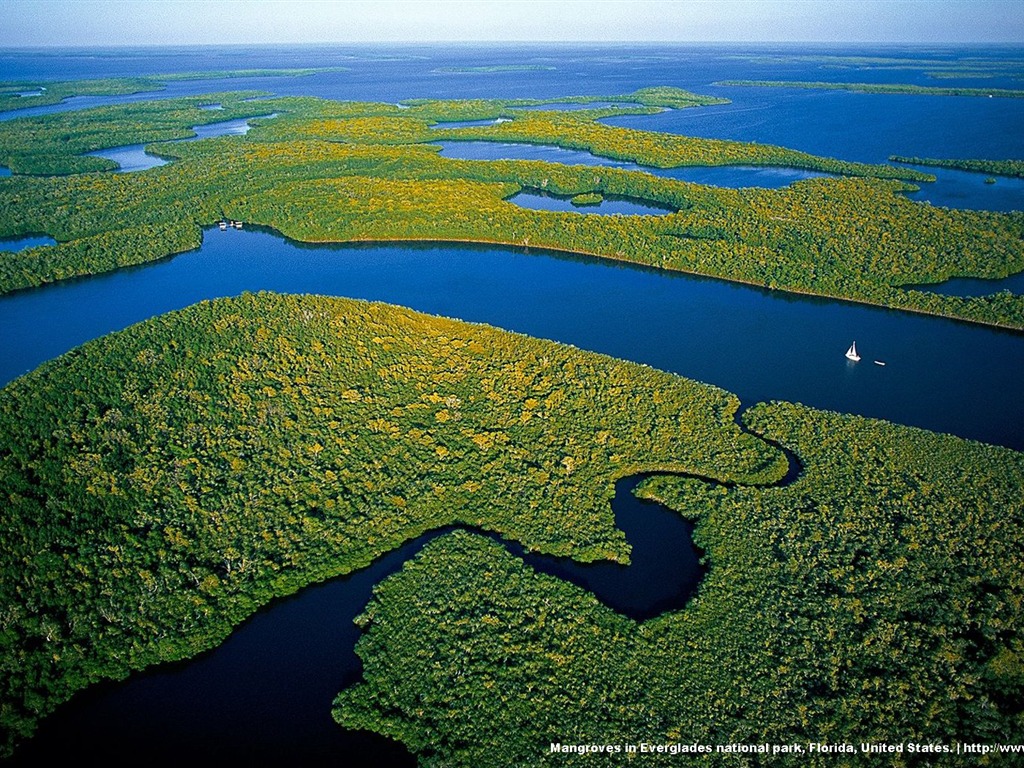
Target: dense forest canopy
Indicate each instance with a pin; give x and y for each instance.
(237, 450)
(876, 599)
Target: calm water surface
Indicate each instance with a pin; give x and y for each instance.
(610, 205)
(134, 157)
(21, 243)
(728, 176)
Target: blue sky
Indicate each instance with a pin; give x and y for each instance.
(154, 22)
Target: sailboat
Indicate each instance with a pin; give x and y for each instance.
(851, 353)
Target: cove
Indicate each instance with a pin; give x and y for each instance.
(29, 241)
(264, 695)
(942, 375)
(610, 204)
(130, 158)
(975, 286)
(735, 176)
(133, 157)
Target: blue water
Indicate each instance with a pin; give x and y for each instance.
(610, 205)
(134, 157)
(726, 176)
(130, 158)
(951, 188)
(238, 127)
(969, 190)
(973, 286)
(265, 693)
(21, 243)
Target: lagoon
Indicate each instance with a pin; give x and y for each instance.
(723, 176)
(29, 241)
(134, 157)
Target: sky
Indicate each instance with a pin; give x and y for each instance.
(182, 22)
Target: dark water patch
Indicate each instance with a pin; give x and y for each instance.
(12, 244)
(537, 200)
(970, 190)
(264, 695)
(665, 567)
(4, 171)
(974, 286)
(734, 176)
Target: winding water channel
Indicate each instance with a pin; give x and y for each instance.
(264, 696)
(759, 344)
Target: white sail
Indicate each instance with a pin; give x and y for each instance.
(851, 353)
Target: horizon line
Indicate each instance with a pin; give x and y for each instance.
(320, 43)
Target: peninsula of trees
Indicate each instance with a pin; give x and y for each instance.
(240, 449)
(996, 167)
(888, 88)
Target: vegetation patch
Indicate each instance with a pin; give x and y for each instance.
(885, 88)
(587, 198)
(240, 449)
(45, 92)
(875, 599)
(1013, 168)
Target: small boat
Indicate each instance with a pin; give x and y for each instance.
(851, 353)
(223, 225)
(879, 362)
(236, 224)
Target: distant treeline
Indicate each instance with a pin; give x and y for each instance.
(895, 88)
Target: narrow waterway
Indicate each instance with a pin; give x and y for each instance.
(264, 696)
